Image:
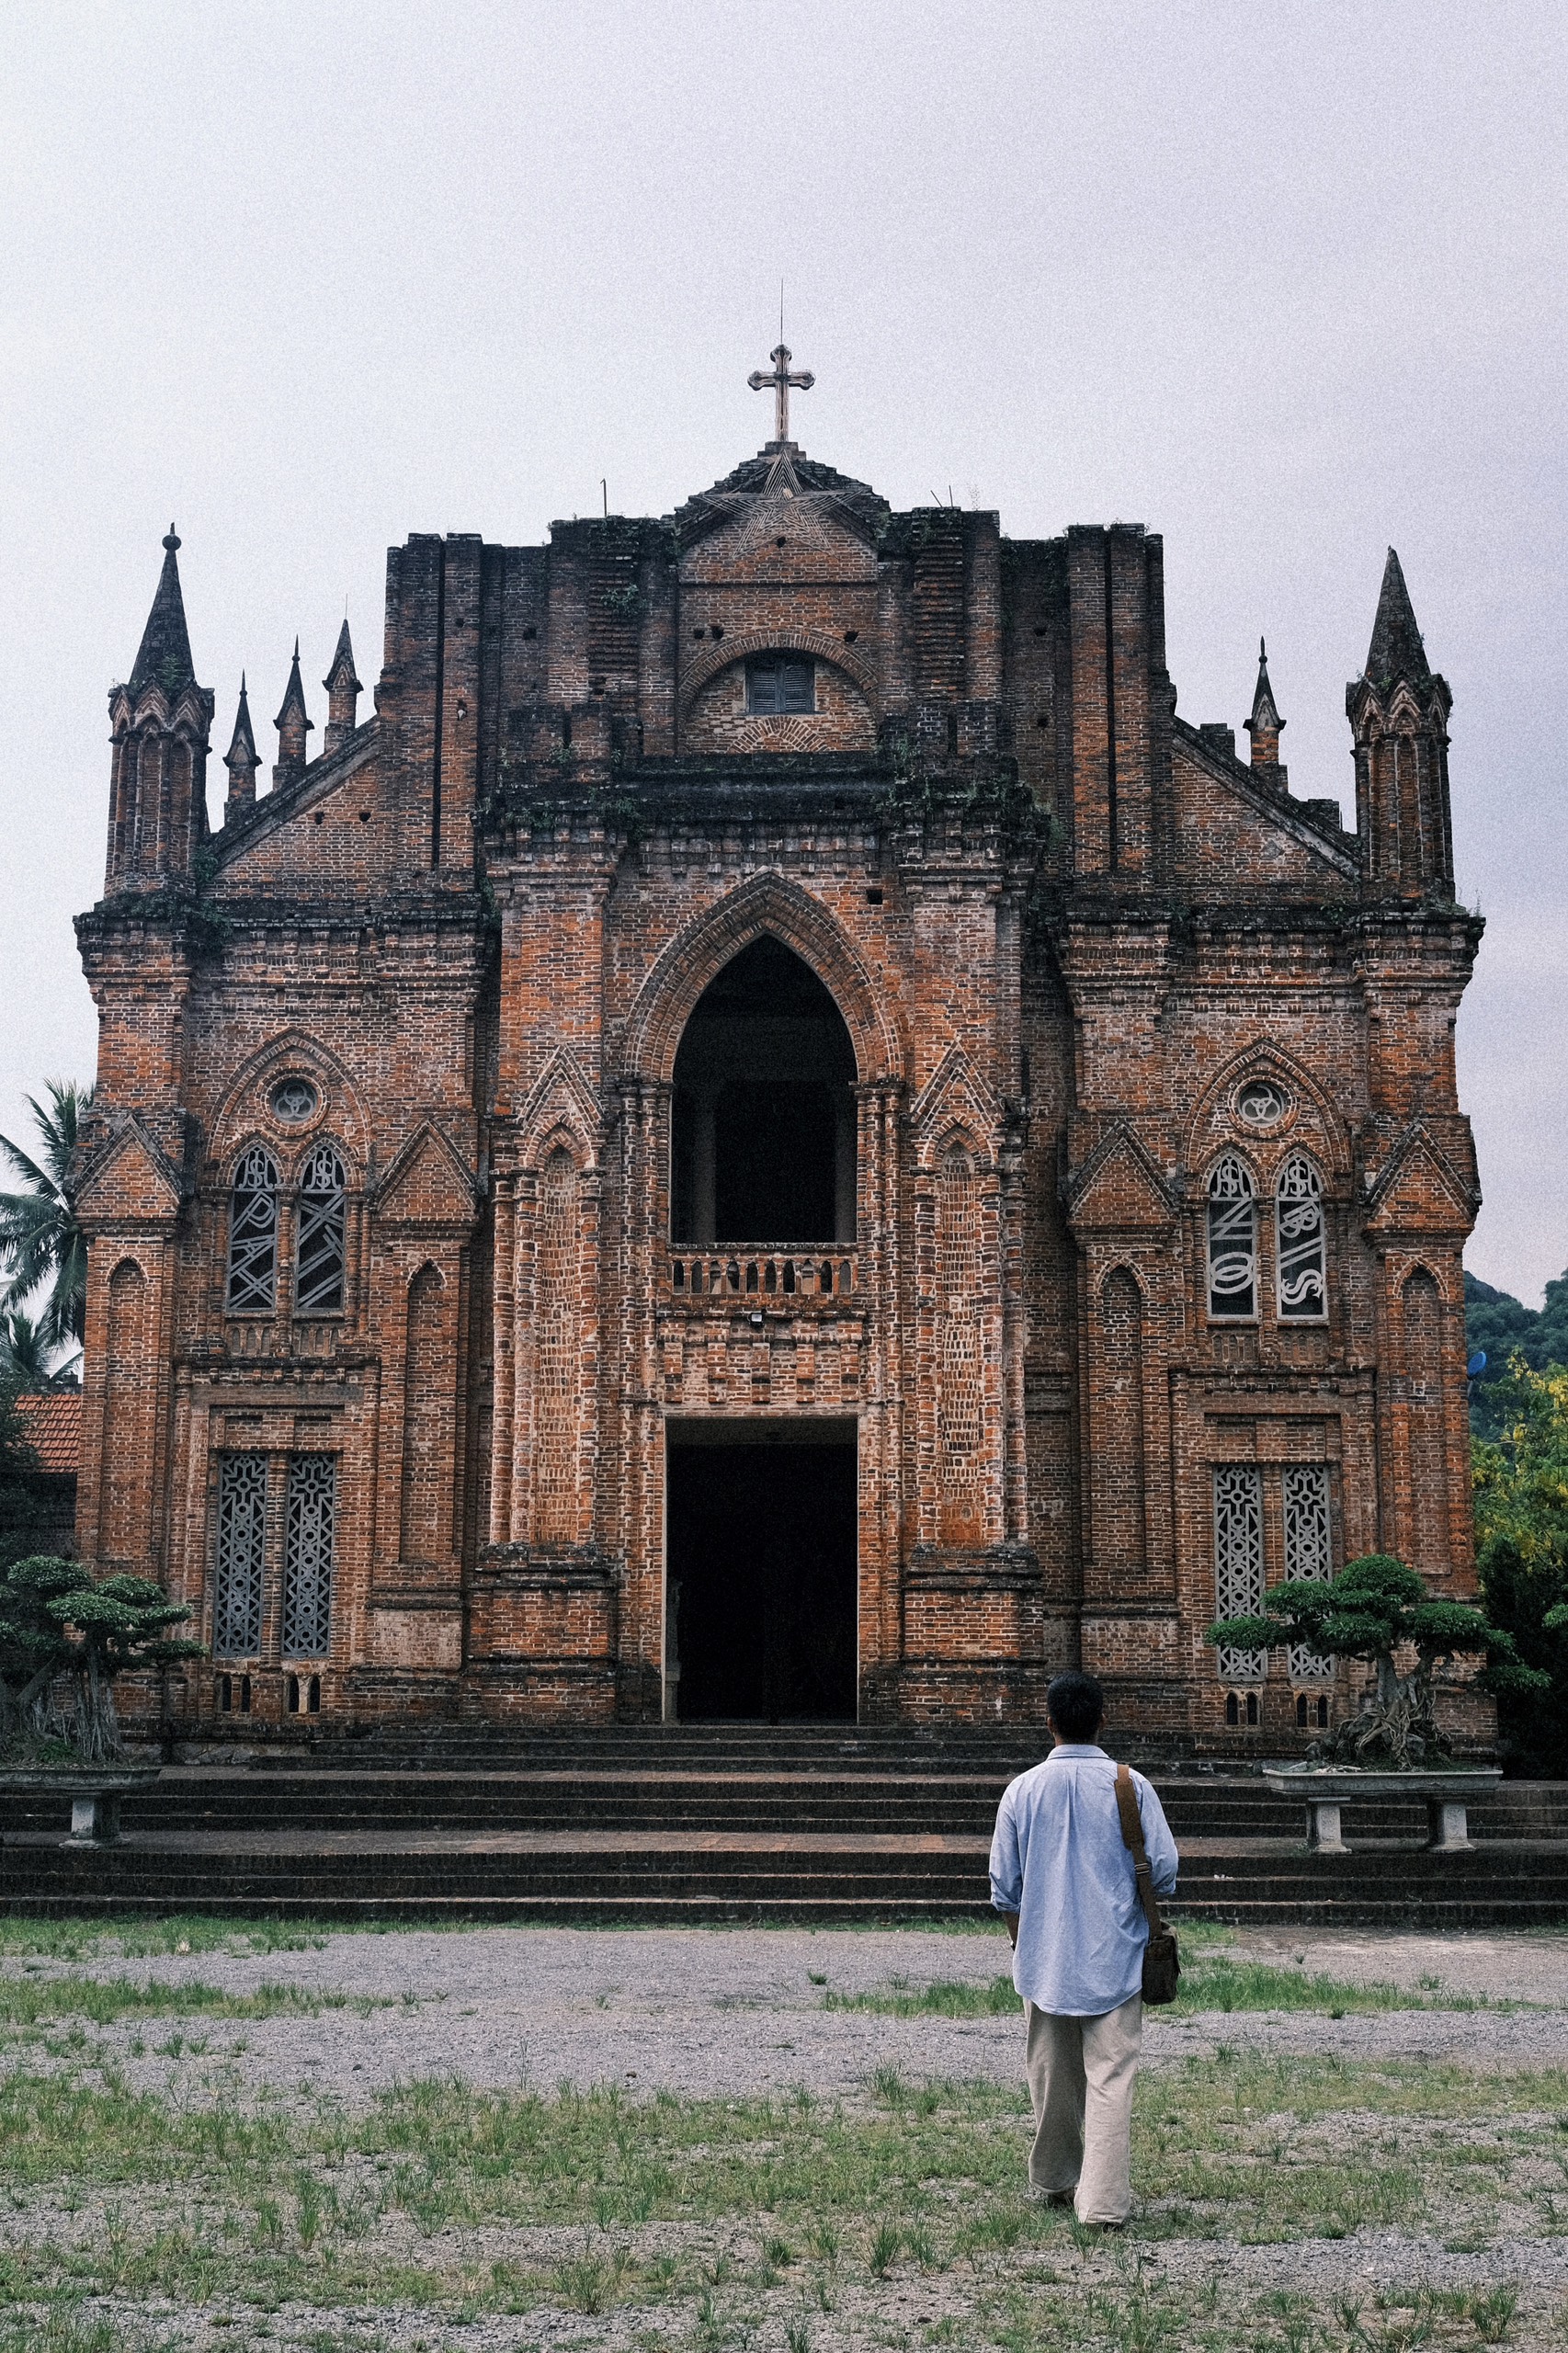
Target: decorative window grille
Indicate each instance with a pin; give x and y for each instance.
(253, 1235)
(242, 1537)
(1309, 1552)
(780, 682)
(1238, 1561)
(1303, 1273)
(318, 1289)
(1232, 1241)
(307, 1555)
(293, 1100)
(1261, 1103)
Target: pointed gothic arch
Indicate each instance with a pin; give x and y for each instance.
(1312, 1123)
(287, 1050)
(770, 904)
(561, 1112)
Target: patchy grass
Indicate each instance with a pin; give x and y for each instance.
(1210, 1981)
(26, 1935)
(438, 2198)
(27, 2003)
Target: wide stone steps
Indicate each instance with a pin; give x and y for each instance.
(820, 1801)
(734, 1824)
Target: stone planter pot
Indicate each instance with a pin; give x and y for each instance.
(95, 1793)
(1325, 1788)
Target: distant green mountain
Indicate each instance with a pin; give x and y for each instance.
(1503, 1327)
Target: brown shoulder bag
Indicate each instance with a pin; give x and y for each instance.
(1161, 1964)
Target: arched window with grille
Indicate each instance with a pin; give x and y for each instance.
(1301, 1242)
(253, 1234)
(318, 1288)
(1233, 1242)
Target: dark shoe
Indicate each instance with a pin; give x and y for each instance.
(1051, 2197)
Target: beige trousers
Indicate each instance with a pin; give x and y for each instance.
(1081, 2073)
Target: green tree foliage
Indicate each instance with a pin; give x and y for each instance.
(1375, 1608)
(1503, 1327)
(56, 1621)
(1521, 1551)
(40, 1242)
(27, 1359)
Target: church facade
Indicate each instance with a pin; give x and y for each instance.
(772, 1136)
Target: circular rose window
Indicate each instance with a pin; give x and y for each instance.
(1261, 1103)
(293, 1101)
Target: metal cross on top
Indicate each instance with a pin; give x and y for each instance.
(780, 379)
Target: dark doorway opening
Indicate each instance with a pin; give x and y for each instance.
(761, 1577)
(763, 1125)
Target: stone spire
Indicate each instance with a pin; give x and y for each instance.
(1398, 711)
(294, 726)
(159, 720)
(1396, 651)
(241, 760)
(1265, 724)
(163, 657)
(344, 690)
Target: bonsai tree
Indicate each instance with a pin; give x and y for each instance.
(54, 1620)
(1379, 1610)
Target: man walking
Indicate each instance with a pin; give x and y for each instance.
(1063, 1878)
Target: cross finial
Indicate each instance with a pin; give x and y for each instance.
(781, 380)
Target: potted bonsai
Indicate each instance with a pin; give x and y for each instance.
(1379, 1611)
(58, 1625)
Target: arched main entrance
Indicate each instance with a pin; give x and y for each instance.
(761, 1514)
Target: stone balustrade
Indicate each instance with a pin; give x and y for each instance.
(753, 1275)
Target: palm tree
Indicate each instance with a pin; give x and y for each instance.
(40, 1241)
(24, 1356)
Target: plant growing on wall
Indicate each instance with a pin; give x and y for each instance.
(56, 1621)
(1379, 1610)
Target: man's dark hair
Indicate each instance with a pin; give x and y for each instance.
(1075, 1705)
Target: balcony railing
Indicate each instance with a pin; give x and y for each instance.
(756, 1276)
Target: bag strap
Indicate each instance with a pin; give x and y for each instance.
(1132, 1839)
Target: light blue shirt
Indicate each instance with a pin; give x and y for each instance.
(1058, 1862)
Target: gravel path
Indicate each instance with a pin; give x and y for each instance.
(733, 2011)
(706, 2012)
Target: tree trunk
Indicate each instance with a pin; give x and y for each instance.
(100, 1734)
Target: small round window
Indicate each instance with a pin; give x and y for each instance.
(293, 1101)
(1261, 1103)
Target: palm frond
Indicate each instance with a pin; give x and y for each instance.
(25, 1168)
(59, 1123)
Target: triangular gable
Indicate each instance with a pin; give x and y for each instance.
(955, 1097)
(255, 829)
(1421, 1192)
(820, 543)
(1118, 1189)
(1254, 814)
(429, 1187)
(130, 1182)
(561, 1098)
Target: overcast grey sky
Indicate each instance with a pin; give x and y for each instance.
(1284, 282)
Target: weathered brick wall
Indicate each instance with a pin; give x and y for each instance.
(478, 930)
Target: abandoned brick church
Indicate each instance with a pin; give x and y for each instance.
(773, 1137)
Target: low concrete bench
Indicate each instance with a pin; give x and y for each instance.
(95, 1795)
(1325, 1788)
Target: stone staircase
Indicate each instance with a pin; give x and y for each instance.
(814, 1823)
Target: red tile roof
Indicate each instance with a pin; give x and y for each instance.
(52, 1426)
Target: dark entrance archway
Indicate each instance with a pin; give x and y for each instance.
(760, 1569)
(763, 1121)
